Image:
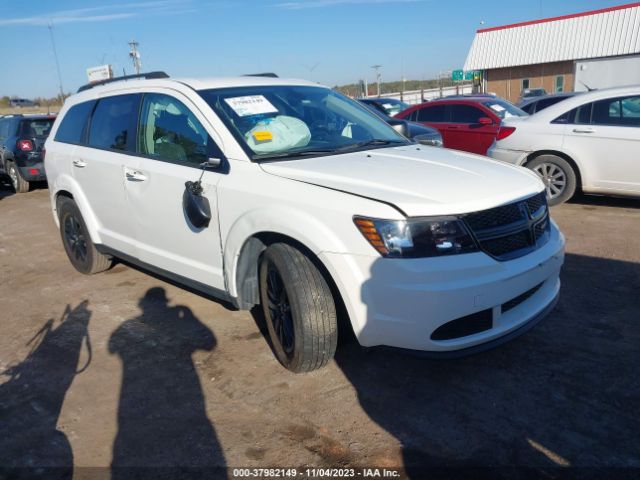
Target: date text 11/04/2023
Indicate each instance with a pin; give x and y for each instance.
(315, 473)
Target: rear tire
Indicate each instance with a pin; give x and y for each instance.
(299, 309)
(81, 251)
(558, 176)
(20, 185)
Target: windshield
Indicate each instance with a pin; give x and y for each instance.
(392, 106)
(36, 128)
(276, 121)
(504, 109)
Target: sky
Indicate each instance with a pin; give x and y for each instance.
(334, 42)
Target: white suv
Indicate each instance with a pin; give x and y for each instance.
(589, 142)
(287, 194)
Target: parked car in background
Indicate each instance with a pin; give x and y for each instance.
(531, 92)
(22, 139)
(388, 106)
(589, 142)
(412, 130)
(289, 195)
(22, 102)
(465, 123)
(532, 105)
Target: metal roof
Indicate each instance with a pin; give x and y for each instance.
(599, 33)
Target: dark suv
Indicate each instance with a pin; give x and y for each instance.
(22, 140)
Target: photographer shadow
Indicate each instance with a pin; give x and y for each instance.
(163, 427)
(31, 400)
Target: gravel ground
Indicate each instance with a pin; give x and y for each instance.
(124, 369)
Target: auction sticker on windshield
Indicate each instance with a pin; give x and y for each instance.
(250, 105)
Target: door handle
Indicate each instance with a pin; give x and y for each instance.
(79, 163)
(135, 176)
(583, 130)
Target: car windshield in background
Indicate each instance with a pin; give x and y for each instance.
(292, 121)
(392, 106)
(36, 128)
(504, 109)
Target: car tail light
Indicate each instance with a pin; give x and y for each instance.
(34, 171)
(504, 132)
(25, 145)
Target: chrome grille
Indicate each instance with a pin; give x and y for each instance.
(512, 230)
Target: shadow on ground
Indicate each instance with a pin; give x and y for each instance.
(604, 201)
(30, 401)
(6, 189)
(163, 429)
(566, 394)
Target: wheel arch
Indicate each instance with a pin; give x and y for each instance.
(66, 186)
(246, 271)
(564, 156)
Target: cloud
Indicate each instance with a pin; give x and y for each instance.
(332, 3)
(102, 13)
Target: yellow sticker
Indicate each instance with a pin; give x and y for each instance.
(262, 136)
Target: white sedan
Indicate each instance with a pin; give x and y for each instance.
(590, 142)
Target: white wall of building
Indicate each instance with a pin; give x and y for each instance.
(607, 72)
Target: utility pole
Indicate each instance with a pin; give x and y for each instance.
(135, 56)
(378, 76)
(55, 56)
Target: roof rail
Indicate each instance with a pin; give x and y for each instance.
(266, 74)
(149, 75)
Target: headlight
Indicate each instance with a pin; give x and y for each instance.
(414, 238)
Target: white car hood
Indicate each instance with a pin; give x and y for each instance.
(420, 181)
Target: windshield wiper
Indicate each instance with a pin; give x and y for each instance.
(371, 143)
(324, 151)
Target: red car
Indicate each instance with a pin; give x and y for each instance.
(465, 123)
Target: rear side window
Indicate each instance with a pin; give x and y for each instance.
(113, 122)
(74, 123)
(466, 114)
(435, 113)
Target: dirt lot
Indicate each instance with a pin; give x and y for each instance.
(124, 369)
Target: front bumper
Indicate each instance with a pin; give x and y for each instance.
(514, 157)
(402, 302)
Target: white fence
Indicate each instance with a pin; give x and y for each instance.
(413, 97)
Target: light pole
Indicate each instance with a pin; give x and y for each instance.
(55, 56)
(135, 56)
(378, 76)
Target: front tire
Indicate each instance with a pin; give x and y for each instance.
(81, 251)
(558, 176)
(299, 309)
(20, 185)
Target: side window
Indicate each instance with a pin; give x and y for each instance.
(583, 114)
(529, 108)
(619, 111)
(432, 114)
(170, 131)
(112, 122)
(74, 124)
(547, 102)
(466, 114)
